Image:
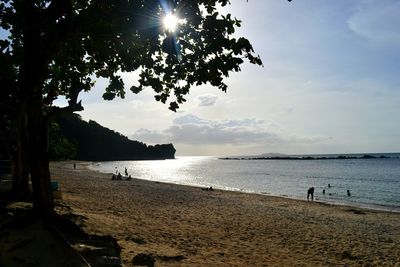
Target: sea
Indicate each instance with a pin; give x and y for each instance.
(372, 182)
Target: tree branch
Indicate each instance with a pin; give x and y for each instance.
(57, 111)
(73, 105)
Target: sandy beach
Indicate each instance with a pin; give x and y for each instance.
(187, 226)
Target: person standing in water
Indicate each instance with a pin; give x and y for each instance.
(310, 192)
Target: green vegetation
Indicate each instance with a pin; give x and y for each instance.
(60, 148)
(81, 140)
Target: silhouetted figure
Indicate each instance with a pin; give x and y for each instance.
(113, 177)
(310, 192)
(129, 178)
(74, 165)
(126, 172)
(323, 191)
(329, 185)
(119, 176)
(348, 193)
(208, 188)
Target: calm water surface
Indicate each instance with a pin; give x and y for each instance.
(373, 183)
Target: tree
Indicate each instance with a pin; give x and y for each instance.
(60, 148)
(56, 48)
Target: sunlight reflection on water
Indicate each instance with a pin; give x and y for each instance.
(372, 182)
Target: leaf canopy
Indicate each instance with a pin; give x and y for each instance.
(73, 41)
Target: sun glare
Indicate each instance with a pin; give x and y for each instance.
(171, 22)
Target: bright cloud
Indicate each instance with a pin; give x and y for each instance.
(190, 129)
(378, 21)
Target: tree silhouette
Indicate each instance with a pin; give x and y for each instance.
(74, 138)
(56, 47)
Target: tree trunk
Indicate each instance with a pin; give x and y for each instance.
(39, 165)
(20, 160)
(20, 176)
(31, 77)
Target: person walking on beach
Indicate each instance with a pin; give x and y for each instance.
(126, 172)
(310, 192)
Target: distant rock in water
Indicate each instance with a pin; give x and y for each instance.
(97, 143)
(273, 155)
(276, 156)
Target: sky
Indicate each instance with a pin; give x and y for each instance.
(330, 84)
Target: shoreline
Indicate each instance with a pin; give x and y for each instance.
(185, 226)
(350, 204)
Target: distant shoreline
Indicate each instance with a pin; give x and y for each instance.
(341, 157)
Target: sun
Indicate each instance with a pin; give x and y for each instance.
(170, 22)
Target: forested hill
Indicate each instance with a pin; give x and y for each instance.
(94, 142)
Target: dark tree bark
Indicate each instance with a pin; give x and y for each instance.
(32, 76)
(20, 160)
(39, 166)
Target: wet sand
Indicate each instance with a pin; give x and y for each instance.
(188, 226)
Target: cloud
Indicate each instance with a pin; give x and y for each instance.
(149, 136)
(207, 100)
(189, 119)
(218, 133)
(192, 130)
(377, 21)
